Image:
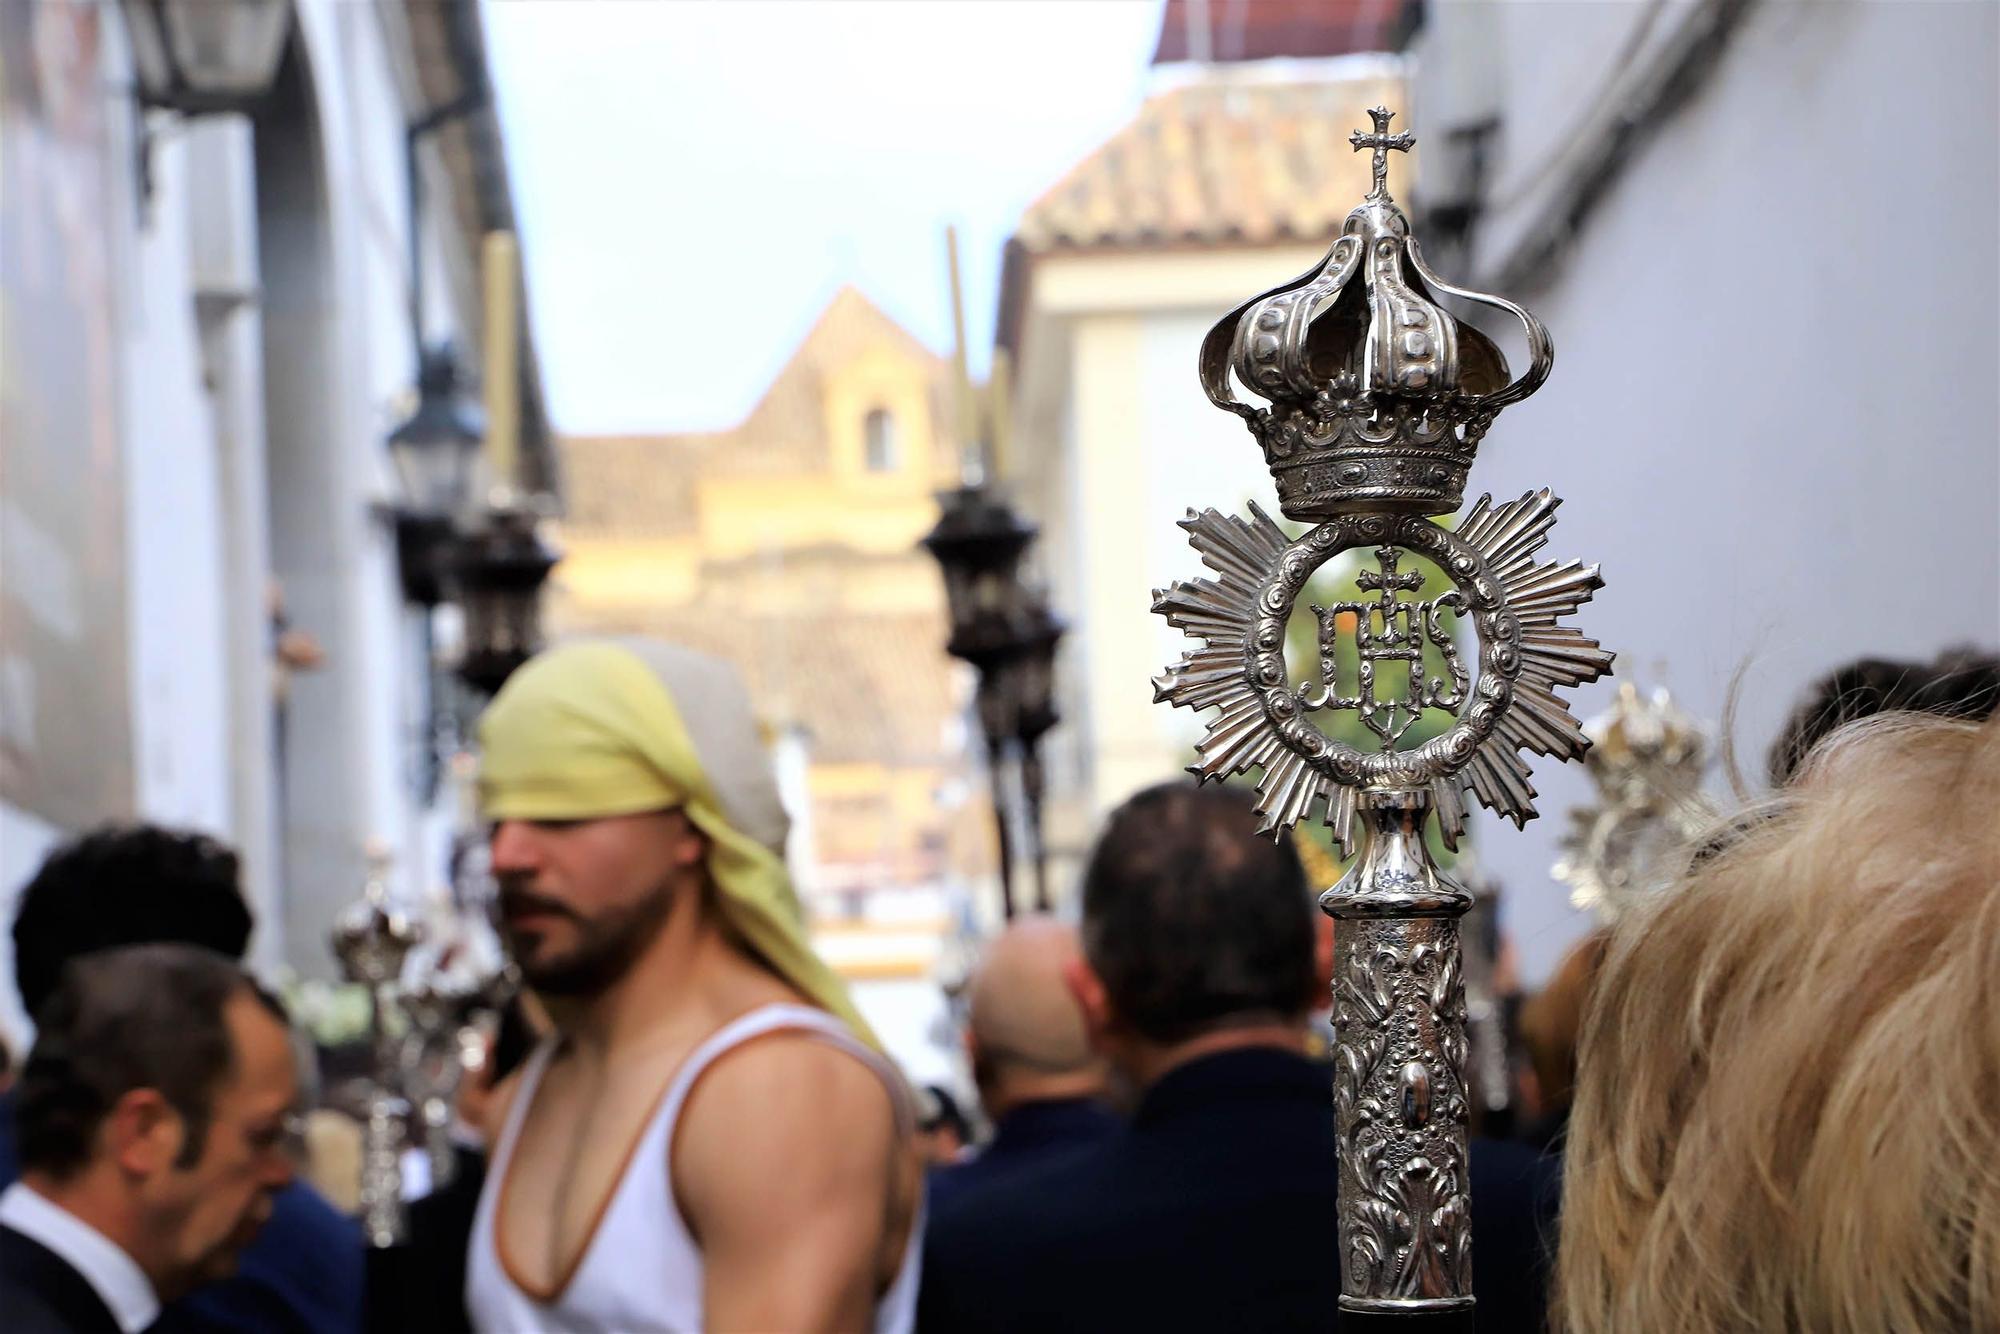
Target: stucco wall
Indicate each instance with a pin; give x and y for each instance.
(1773, 415)
(253, 444)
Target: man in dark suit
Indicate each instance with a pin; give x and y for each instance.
(151, 1118)
(1039, 1081)
(43, 1295)
(1214, 1209)
(137, 884)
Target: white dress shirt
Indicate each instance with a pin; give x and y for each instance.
(116, 1278)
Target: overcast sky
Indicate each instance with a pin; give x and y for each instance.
(695, 178)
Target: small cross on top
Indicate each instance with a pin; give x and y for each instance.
(1381, 141)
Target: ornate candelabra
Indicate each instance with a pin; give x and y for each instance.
(1378, 398)
(372, 938)
(1647, 757)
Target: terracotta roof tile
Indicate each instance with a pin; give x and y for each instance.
(1224, 161)
(633, 485)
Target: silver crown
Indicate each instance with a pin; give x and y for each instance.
(1378, 395)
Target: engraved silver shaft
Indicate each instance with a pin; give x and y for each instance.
(1399, 1068)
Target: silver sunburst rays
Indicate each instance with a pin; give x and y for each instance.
(1512, 601)
(1378, 399)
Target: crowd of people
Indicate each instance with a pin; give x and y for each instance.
(1767, 1098)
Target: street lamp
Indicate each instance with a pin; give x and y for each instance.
(1033, 688)
(498, 570)
(201, 56)
(436, 454)
(978, 543)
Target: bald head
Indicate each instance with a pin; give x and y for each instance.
(1028, 1038)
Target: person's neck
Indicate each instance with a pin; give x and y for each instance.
(93, 1198)
(1146, 1063)
(656, 993)
(1015, 1091)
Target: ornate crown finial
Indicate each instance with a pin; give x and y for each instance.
(1378, 395)
(1381, 141)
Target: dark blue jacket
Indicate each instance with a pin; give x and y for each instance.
(1213, 1210)
(1026, 1137)
(41, 1294)
(302, 1275)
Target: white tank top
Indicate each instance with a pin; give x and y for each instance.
(640, 1271)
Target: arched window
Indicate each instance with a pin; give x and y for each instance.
(879, 435)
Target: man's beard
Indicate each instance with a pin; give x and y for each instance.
(606, 945)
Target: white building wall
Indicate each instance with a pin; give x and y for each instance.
(173, 526)
(223, 248)
(366, 699)
(1117, 443)
(1773, 414)
(211, 513)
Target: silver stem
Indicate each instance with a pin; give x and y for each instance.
(1399, 1068)
(438, 1147)
(385, 1134)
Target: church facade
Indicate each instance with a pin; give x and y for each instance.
(788, 545)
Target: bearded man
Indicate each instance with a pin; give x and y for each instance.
(711, 1139)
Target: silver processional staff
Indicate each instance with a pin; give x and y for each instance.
(1377, 400)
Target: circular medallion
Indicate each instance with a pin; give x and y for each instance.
(1481, 598)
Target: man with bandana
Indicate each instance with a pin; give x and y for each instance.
(712, 1139)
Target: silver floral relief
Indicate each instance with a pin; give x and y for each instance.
(1399, 1002)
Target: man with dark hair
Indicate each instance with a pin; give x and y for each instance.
(1960, 683)
(1214, 1209)
(151, 1117)
(126, 885)
(140, 884)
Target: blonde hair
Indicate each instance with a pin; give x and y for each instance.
(1788, 1100)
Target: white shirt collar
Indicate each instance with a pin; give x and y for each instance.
(114, 1275)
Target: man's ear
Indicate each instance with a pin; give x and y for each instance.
(143, 1134)
(693, 849)
(1088, 988)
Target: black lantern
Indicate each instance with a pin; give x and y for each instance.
(1034, 668)
(436, 453)
(200, 56)
(978, 543)
(498, 570)
(1030, 677)
(1010, 636)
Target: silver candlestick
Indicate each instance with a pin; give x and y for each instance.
(372, 938)
(1378, 400)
